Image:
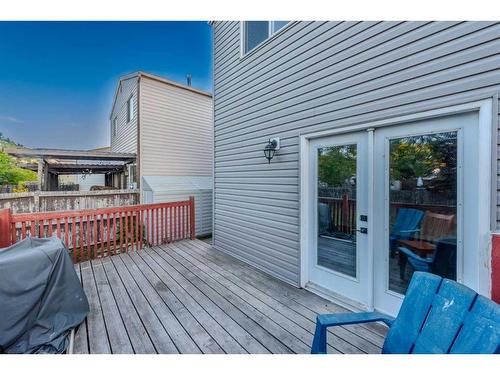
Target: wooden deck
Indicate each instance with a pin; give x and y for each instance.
(186, 297)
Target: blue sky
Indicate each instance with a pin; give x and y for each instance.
(57, 79)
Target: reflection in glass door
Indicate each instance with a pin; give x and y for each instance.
(336, 199)
(422, 207)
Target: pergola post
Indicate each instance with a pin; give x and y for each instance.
(41, 163)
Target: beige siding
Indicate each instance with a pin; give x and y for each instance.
(126, 132)
(176, 131)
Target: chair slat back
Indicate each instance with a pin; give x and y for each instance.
(448, 310)
(442, 316)
(436, 225)
(480, 332)
(406, 328)
(407, 219)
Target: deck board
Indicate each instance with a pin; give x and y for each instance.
(211, 325)
(155, 314)
(134, 323)
(238, 309)
(287, 318)
(304, 302)
(341, 339)
(186, 297)
(117, 333)
(96, 329)
(289, 331)
(81, 341)
(151, 284)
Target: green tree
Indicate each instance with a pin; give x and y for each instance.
(10, 174)
(337, 165)
(425, 156)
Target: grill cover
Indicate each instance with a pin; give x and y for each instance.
(41, 298)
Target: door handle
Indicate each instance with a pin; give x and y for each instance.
(362, 230)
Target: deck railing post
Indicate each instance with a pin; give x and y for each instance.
(191, 218)
(5, 232)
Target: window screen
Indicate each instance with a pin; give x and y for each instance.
(256, 32)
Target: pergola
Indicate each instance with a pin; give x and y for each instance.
(51, 163)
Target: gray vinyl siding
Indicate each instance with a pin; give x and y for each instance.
(126, 132)
(315, 76)
(176, 131)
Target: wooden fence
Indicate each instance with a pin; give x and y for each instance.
(102, 232)
(42, 201)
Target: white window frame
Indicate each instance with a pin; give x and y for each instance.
(130, 109)
(270, 35)
(114, 126)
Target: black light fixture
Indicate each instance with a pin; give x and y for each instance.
(272, 146)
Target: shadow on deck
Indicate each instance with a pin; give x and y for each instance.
(186, 297)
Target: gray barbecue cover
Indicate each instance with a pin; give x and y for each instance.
(41, 298)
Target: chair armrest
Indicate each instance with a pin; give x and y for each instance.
(411, 254)
(409, 230)
(330, 320)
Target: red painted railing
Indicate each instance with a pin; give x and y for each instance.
(102, 232)
(342, 213)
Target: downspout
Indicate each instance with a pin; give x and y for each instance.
(138, 152)
(212, 25)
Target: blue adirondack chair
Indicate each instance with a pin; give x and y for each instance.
(438, 316)
(443, 261)
(406, 226)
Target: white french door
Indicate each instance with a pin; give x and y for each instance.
(426, 189)
(384, 203)
(338, 260)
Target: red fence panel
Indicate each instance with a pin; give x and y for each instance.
(102, 232)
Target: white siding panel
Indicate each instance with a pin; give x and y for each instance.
(126, 132)
(315, 76)
(176, 131)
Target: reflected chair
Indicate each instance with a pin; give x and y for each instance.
(434, 226)
(442, 262)
(406, 226)
(438, 316)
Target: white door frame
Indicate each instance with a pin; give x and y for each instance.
(354, 287)
(484, 199)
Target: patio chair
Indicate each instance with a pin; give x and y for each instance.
(434, 226)
(438, 316)
(442, 262)
(406, 226)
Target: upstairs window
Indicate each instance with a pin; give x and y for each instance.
(256, 32)
(114, 127)
(130, 109)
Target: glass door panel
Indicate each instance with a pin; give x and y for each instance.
(422, 207)
(336, 207)
(338, 248)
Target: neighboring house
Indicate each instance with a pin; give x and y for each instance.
(169, 126)
(372, 117)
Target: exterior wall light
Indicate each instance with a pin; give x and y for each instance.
(272, 146)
